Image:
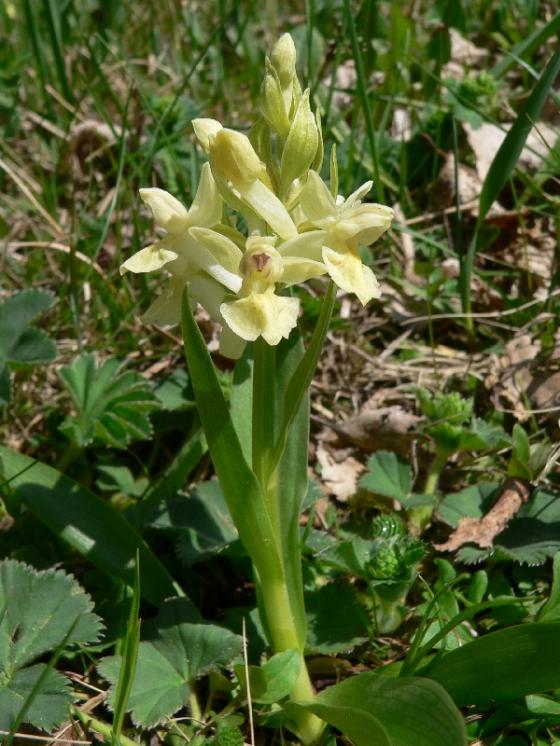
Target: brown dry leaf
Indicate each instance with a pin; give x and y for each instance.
(533, 250)
(391, 428)
(486, 140)
(339, 471)
(483, 531)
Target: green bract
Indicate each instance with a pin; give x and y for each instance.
(296, 229)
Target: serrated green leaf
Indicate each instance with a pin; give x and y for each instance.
(113, 405)
(335, 619)
(372, 708)
(472, 502)
(39, 612)
(41, 607)
(274, 680)
(502, 665)
(388, 475)
(49, 706)
(179, 650)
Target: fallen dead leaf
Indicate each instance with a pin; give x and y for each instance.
(486, 140)
(483, 531)
(391, 428)
(339, 471)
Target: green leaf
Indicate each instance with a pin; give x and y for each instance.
(502, 665)
(20, 343)
(508, 154)
(128, 661)
(336, 621)
(39, 611)
(503, 164)
(86, 522)
(372, 708)
(202, 520)
(112, 406)
(274, 680)
(388, 475)
(179, 650)
(49, 706)
(239, 485)
(472, 502)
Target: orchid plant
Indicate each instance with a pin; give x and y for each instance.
(262, 221)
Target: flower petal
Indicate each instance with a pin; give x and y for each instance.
(316, 200)
(266, 204)
(166, 309)
(205, 129)
(351, 275)
(207, 207)
(297, 269)
(209, 293)
(168, 212)
(359, 194)
(149, 259)
(308, 245)
(262, 314)
(223, 249)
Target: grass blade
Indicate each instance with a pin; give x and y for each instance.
(128, 662)
(502, 167)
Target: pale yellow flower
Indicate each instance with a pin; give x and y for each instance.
(258, 310)
(344, 224)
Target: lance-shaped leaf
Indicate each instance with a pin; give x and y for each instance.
(112, 405)
(238, 482)
(502, 665)
(39, 611)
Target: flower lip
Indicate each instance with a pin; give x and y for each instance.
(260, 261)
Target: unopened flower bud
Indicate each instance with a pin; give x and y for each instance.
(233, 158)
(301, 145)
(283, 58)
(273, 105)
(205, 129)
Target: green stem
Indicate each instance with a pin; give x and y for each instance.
(283, 632)
(420, 517)
(434, 472)
(279, 608)
(99, 726)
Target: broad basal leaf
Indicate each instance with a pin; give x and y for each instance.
(112, 405)
(178, 649)
(502, 665)
(39, 611)
(374, 709)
